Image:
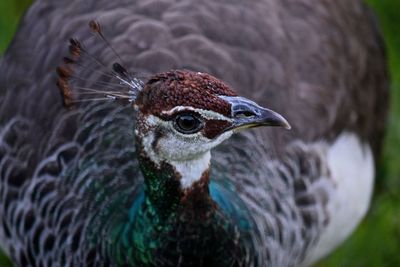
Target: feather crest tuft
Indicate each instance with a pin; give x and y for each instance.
(116, 82)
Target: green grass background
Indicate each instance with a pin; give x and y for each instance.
(376, 243)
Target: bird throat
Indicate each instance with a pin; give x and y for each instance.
(181, 187)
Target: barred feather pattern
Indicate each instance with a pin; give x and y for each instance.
(60, 169)
(50, 208)
(286, 196)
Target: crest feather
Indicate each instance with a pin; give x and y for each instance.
(121, 85)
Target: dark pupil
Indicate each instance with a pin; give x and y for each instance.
(187, 123)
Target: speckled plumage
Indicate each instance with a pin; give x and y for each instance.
(68, 177)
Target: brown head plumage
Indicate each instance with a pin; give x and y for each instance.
(167, 90)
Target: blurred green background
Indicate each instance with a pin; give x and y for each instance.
(376, 243)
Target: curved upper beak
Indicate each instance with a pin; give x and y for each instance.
(248, 114)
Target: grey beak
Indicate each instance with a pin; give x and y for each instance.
(248, 114)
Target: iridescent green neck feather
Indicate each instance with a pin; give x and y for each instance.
(171, 226)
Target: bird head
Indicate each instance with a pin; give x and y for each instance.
(182, 115)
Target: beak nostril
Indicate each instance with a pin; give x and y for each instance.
(244, 114)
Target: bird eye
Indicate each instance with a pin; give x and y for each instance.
(187, 123)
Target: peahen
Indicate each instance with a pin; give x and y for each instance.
(125, 176)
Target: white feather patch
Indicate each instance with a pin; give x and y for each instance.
(192, 170)
(352, 170)
(206, 114)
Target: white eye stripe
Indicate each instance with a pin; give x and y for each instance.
(206, 114)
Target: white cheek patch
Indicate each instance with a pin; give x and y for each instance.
(151, 122)
(188, 154)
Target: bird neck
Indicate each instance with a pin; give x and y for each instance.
(176, 186)
(168, 222)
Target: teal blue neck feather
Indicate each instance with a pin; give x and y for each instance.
(203, 226)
